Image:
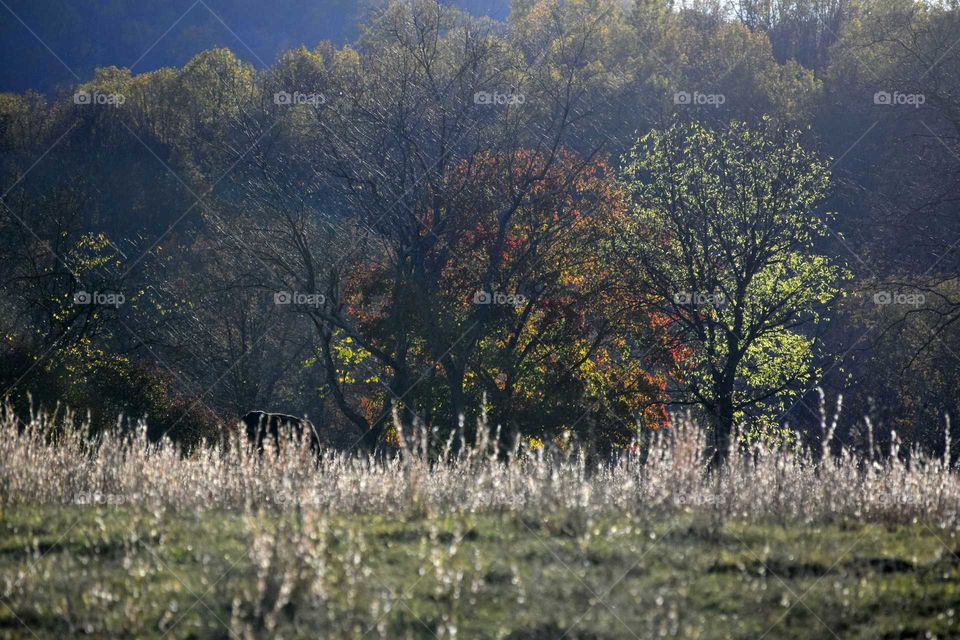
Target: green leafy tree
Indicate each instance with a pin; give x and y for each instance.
(723, 241)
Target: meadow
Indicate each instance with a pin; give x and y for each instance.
(119, 537)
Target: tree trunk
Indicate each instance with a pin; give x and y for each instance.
(718, 442)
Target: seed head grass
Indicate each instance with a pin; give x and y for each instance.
(116, 536)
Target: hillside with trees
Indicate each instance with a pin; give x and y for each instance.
(584, 215)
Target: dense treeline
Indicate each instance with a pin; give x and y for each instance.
(587, 214)
(135, 34)
(145, 36)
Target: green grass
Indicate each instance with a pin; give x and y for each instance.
(126, 572)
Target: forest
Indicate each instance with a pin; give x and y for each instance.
(583, 218)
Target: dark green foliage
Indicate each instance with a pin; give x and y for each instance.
(110, 392)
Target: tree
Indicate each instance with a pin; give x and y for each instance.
(901, 59)
(723, 242)
(357, 196)
(536, 301)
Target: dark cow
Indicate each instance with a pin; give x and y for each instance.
(260, 424)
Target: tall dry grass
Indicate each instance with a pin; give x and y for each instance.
(667, 475)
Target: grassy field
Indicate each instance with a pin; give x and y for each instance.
(121, 538)
(109, 571)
